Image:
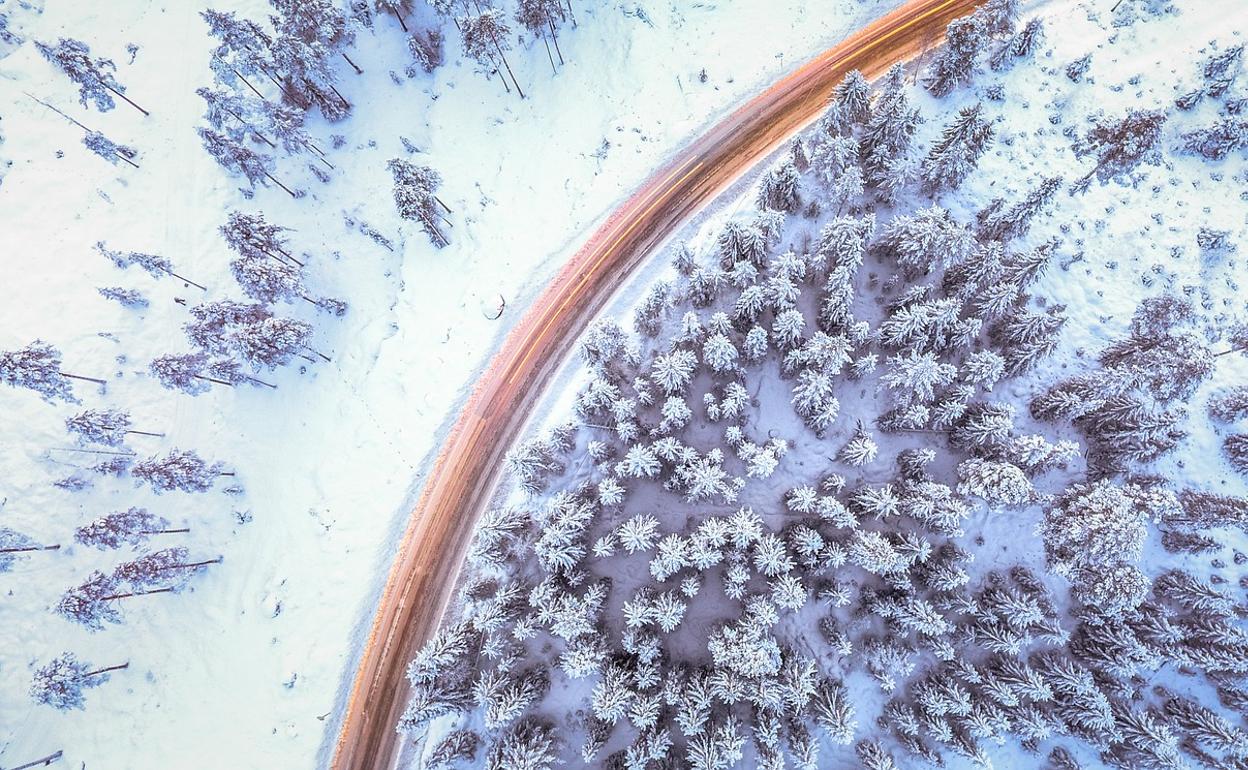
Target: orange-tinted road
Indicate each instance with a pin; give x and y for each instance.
(466, 472)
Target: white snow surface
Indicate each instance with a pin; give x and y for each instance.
(246, 668)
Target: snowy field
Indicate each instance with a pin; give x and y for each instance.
(245, 667)
(562, 609)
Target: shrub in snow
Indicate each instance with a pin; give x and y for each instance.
(61, 681)
(128, 297)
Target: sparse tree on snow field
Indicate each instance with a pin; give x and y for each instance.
(132, 526)
(184, 373)
(169, 567)
(960, 146)
(1121, 145)
(484, 34)
(426, 50)
(861, 448)
(1235, 447)
(181, 470)
(1219, 140)
(416, 197)
(60, 682)
(239, 159)
(1021, 45)
(154, 265)
(38, 367)
(13, 542)
(538, 17)
(91, 603)
(94, 76)
(103, 426)
(97, 142)
(1230, 404)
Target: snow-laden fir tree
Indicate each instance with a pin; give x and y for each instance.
(1119, 145)
(38, 367)
(238, 158)
(485, 34)
(13, 544)
(959, 148)
(152, 264)
(415, 196)
(270, 343)
(94, 76)
(103, 426)
(132, 298)
(59, 683)
(243, 48)
(170, 568)
(132, 526)
(999, 223)
(184, 372)
(179, 470)
(108, 149)
(953, 66)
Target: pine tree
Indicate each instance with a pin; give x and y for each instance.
(251, 235)
(178, 470)
(484, 34)
(38, 367)
(457, 744)
(131, 298)
(1219, 140)
(270, 342)
(169, 568)
(834, 712)
(243, 49)
(1229, 404)
(1121, 145)
(415, 195)
(1001, 224)
(94, 76)
(14, 543)
(779, 188)
(60, 682)
(997, 483)
(960, 146)
(928, 239)
(153, 264)
(185, 373)
(538, 16)
(237, 158)
(129, 527)
(954, 65)
(1235, 447)
(103, 426)
(91, 602)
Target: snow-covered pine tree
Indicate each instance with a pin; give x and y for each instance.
(271, 342)
(415, 196)
(965, 38)
(1119, 145)
(178, 470)
(103, 426)
(132, 526)
(251, 235)
(485, 34)
(184, 372)
(238, 158)
(244, 48)
(94, 76)
(959, 148)
(38, 367)
(780, 187)
(538, 17)
(167, 568)
(60, 682)
(108, 149)
(153, 264)
(1021, 45)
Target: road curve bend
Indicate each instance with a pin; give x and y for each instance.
(467, 470)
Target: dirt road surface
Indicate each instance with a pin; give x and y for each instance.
(468, 469)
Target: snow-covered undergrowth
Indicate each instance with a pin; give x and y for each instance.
(923, 450)
(248, 664)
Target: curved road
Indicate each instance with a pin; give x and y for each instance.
(466, 472)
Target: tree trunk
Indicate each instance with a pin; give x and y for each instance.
(570, 12)
(187, 280)
(114, 597)
(549, 55)
(1235, 349)
(123, 96)
(28, 548)
(345, 103)
(212, 379)
(145, 433)
(279, 184)
(555, 36)
(44, 761)
(225, 473)
(395, 11)
(191, 565)
(99, 671)
(96, 451)
(355, 66)
(164, 531)
(443, 205)
(319, 353)
(119, 156)
(503, 56)
(80, 377)
(247, 82)
(261, 382)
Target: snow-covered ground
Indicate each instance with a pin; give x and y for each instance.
(246, 667)
(1121, 242)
